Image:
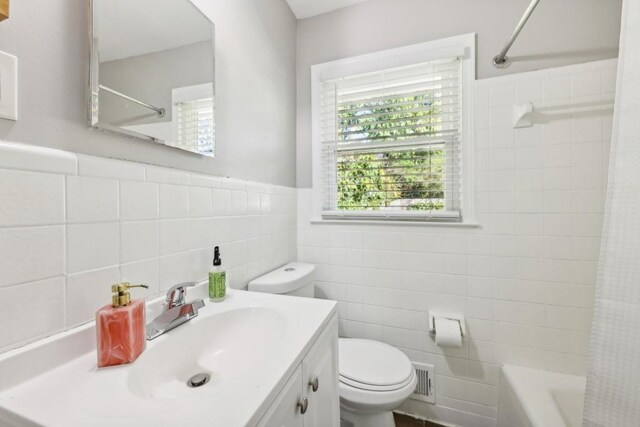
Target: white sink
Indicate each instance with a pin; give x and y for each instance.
(250, 344)
(223, 346)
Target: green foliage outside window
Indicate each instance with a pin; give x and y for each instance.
(399, 177)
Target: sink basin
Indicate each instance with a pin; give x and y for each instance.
(223, 346)
(248, 345)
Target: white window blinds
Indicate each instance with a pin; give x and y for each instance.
(195, 125)
(390, 143)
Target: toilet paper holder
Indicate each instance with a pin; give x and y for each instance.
(449, 316)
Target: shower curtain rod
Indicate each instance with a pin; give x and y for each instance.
(160, 111)
(501, 60)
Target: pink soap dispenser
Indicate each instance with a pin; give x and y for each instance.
(120, 328)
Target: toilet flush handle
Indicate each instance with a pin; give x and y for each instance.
(314, 383)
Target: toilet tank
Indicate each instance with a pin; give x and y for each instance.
(294, 279)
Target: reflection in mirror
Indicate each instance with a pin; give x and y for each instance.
(152, 72)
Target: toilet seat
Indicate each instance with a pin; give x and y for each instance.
(370, 387)
(373, 366)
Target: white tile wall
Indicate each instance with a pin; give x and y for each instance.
(524, 280)
(72, 225)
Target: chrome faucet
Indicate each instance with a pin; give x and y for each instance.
(175, 311)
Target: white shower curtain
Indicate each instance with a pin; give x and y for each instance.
(613, 384)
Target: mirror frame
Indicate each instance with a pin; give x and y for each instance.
(93, 91)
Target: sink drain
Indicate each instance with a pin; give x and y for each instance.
(198, 380)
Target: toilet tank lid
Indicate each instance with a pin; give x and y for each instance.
(285, 279)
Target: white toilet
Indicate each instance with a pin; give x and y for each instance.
(375, 378)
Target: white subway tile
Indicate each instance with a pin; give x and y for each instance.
(265, 203)
(221, 202)
(174, 201)
(200, 202)
(556, 87)
(91, 199)
(557, 156)
(87, 292)
(234, 184)
(239, 202)
(31, 198)
(501, 116)
(109, 168)
(31, 310)
(142, 272)
(254, 204)
(529, 90)
(166, 175)
(198, 180)
(174, 236)
(138, 240)
(38, 159)
(175, 269)
(529, 157)
(138, 201)
(501, 95)
(589, 83)
(30, 254)
(92, 246)
(200, 233)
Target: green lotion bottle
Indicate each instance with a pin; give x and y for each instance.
(217, 278)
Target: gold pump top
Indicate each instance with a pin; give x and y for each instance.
(121, 296)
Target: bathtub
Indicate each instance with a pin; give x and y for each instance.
(535, 398)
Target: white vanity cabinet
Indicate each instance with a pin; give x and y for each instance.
(310, 397)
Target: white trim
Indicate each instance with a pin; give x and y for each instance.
(392, 215)
(463, 46)
(394, 223)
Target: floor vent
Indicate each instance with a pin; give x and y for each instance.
(426, 388)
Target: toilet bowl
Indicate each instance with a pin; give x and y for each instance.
(374, 379)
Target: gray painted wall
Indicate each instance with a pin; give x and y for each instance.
(560, 32)
(255, 88)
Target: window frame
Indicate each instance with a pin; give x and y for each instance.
(463, 46)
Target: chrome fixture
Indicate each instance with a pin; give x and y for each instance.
(501, 60)
(160, 111)
(198, 380)
(175, 311)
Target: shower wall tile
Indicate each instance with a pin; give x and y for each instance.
(524, 279)
(67, 233)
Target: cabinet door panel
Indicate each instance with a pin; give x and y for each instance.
(284, 412)
(321, 364)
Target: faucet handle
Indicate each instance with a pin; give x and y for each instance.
(176, 294)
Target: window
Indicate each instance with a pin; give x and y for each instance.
(194, 118)
(390, 141)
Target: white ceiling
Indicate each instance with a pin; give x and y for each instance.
(307, 8)
(126, 28)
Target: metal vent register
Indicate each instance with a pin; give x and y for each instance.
(426, 388)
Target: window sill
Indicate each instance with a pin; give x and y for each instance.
(468, 224)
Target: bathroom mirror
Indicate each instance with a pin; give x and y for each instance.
(152, 72)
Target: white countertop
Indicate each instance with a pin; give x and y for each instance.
(55, 382)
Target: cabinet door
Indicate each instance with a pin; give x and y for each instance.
(320, 368)
(285, 412)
